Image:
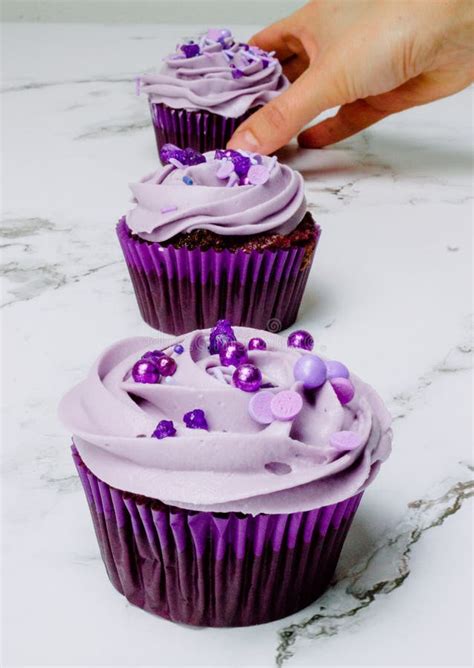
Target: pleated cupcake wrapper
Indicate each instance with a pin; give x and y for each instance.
(214, 569)
(201, 130)
(179, 290)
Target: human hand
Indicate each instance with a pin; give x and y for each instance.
(372, 58)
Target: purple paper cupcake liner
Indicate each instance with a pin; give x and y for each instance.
(180, 290)
(200, 130)
(214, 569)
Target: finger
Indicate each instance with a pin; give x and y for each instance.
(279, 120)
(350, 119)
(275, 38)
(295, 66)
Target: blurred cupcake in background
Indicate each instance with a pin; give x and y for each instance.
(223, 234)
(207, 88)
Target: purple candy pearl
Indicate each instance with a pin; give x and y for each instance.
(344, 389)
(233, 354)
(247, 378)
(163, 429)
(178, 349)
(310, 370)
(145, 371)
(153, 355)
(195, 419)
(166, 365)
(220, 335)
(257, 344)
(301, 339)
(336, 370)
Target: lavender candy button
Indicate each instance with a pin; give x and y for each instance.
(343, 441)
(286, 405)
(343, 388)
(259, 407)
(336, 369)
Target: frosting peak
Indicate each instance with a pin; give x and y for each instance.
(226, 192)
(217, 74)
(212, 449)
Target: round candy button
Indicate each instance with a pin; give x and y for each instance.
(343, 441)
(286, 405)
(336, 369)
(343, 388)
(259, 407)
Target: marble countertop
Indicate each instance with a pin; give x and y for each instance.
(390, 292)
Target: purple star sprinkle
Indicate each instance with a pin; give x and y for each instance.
(242, 165)
(220, 335)
(163, 429)
(190, 50)
(196, 419)
(168, 151)
(193, 157)
(236, 73)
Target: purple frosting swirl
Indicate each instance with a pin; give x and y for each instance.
(238, 464)
(167, 205)
(226, 78)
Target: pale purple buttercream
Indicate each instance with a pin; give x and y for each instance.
(277, 205)
(237, 464)
(206, 82)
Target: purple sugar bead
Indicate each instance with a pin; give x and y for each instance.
(336, 370)
(220, 335)
(178, 349)
(344, 389)
(310, 370)
(247, 378)
(196, 419)
(145, 371)
(166, 365)
(190, 50)
(163, 429)
(301, 339)
(257, 344)
(233, 354)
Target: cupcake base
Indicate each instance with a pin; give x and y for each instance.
(200, 130)
(214, 569)
(179, 290)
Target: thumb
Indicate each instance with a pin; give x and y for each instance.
(281, 119)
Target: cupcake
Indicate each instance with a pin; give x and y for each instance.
(223, 469)
(207, 88)
(220, 235)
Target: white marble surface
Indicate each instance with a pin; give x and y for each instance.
(389, 293)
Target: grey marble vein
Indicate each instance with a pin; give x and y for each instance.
(383, 571)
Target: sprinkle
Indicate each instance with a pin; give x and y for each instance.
(168, 209)
(179, 349)
(236, 73)
(188, 180)
(196, 419)
(164, 429)
(190, 50)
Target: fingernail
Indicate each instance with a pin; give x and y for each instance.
(245, 140)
